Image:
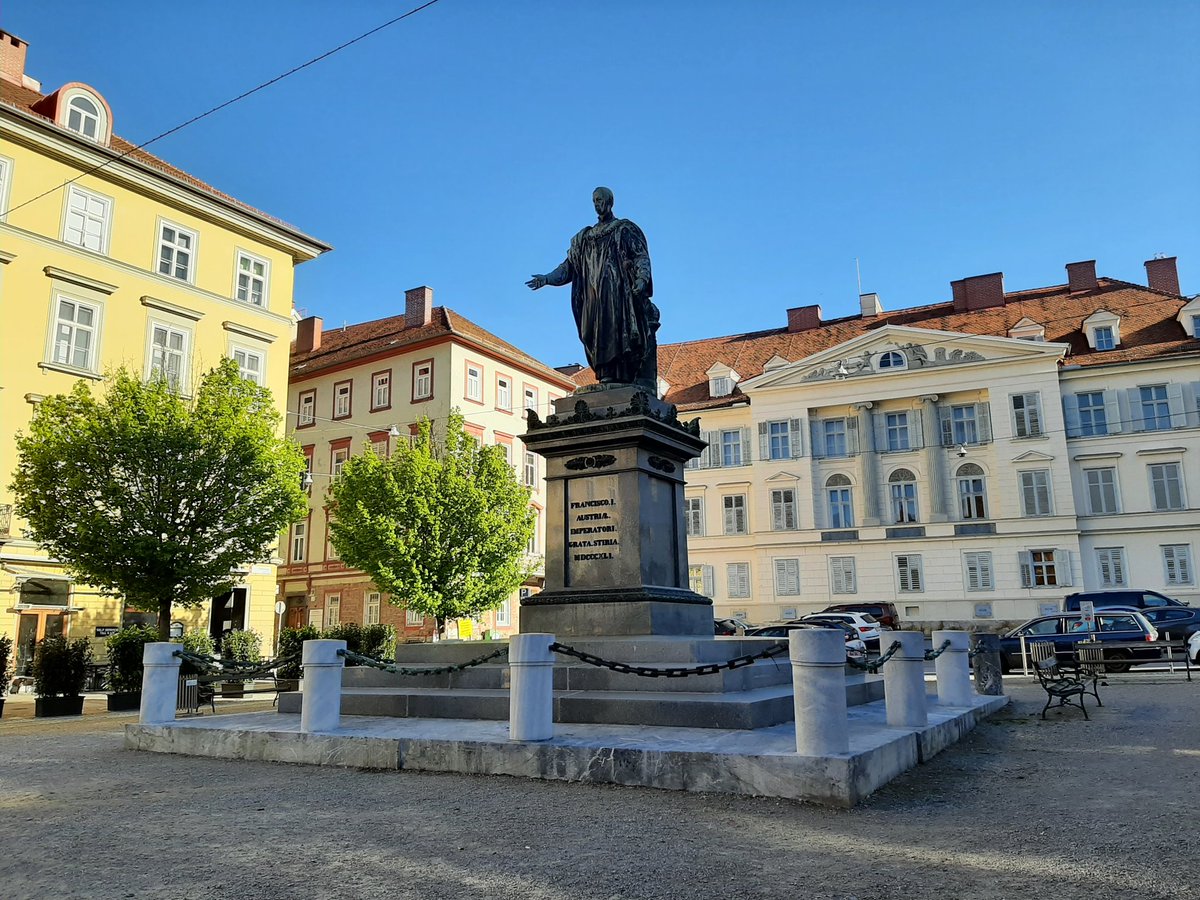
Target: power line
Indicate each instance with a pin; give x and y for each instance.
(230, 102)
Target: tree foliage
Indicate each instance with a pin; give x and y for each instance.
(156, 498)
(441, 526)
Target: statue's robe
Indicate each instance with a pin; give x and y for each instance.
(616, 326)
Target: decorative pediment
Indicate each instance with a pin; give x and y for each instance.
(784, 476)
(1032, 456)
(776, 362)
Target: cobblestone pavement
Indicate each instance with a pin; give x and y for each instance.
(1064, 808)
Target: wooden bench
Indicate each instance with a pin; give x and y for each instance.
(1060, 686)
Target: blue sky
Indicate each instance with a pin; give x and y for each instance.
(761, 146)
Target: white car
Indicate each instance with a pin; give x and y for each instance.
(1193, 648)
(868, 627)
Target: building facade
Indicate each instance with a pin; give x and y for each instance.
(970, 461)
(111, 257)
(366, 386)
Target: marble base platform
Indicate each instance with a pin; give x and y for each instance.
(760, 762)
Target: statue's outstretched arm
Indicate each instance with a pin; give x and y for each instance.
(557, 278)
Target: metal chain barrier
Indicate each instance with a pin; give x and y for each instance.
(233, 668)
(359, 659)
(651, 672)
(874, 665)
(934, 654)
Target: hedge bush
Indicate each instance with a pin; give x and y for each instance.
(125, 650)
(60, 666)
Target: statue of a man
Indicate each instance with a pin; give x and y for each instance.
(608, 267)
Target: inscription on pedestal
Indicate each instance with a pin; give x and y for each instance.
(592, 529)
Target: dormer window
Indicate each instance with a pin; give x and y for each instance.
(775, 362)
(1104, 338)
(721, 380)
(1189, 318)
(663, 388)
(1103, 330)
(892, 359)
(83, 116)
(78, 108)
(1028, 330)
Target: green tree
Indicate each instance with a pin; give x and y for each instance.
(156, 498)
(441, 526)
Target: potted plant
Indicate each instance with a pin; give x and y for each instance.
(291, 644)
(59, 673)
(5, 675)
(243, 647)
(125, 650)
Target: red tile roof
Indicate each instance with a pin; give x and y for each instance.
(24, 99)
(1148, 330)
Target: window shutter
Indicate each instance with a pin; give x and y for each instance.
(1191, 404)
(1028, 494)
(1170, 565)
(947, 426)
(818, 446)
(916, 576)
(1042, 481)
(777, 510)
(820, 496)
(796, 435)
(1062, 568)
(746, 455)
(843, 574)
(902, 570)
(1033, 409)
(714, 449)
(1026, 560)
(916, 429)
(879, 422)
(1136, 422)
(764, 440)
(852, 442)
(1106, 573)
(1183, 565)
(707, 577)
(1175, 404)
(1071, 414)
(1118, 566)
(985, 572)
(983, 422)
(1112, 413)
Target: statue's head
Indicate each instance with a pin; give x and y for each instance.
(602, 199)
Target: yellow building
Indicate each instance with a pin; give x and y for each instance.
(366, 386)
(110, 257)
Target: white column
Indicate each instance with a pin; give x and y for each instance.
(953, 668)
(904, 681)
(819, 691)
(321, 686)
(531, 688)
(160, 683)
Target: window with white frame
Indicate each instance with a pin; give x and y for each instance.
(731, 447)
(75, 333)
(734, 507)
(1027, 415)
(841, 501)
(333, 610)
(5, 182)
(896, 428)
(503, 393)
(531, 398)
(299, 541)
(964, 424)
(892, 359)
(779, 439)
(738, 577)
(843, 575)
(909, 576)
(85, 116)
(1177, 564)
(977, 566)
(1156, 407)
(783, 509)
(700, 580)
(422, 380)
(475, 383)
(1045, 568)
(902, 485)
(252, 275)
(532, 547)
(168, 354)
(249, 363)
(1035, 493)
(506, 449)
(693, 516)
(720, 386)
(381, 390)
(787, 578)
(413, 617)
(341, 399)
(379, 445)
(504, 614)
(530, 469)
(1102, 491)
(1166, 486)
(87, 220)
(307, 412)
(1104, 337)
(1110, 563)
(1093, 417)
(972, 492)
(834, 434)
(338, 460)
(176, 247)
(371, 611)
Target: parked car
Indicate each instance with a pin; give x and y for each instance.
(854, 644)
(1174, 623)
(1134, 599)
(885, 614)
(731, 626)
(1193, 648)
(1064, 630)
(868, 629)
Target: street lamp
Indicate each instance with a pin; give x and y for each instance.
(306, 480)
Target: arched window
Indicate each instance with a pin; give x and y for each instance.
(903, 485)
(972, 492)
(84, 117)
(893, 359)
(841, 501)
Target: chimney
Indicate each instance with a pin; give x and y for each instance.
(870, 304)
(1081, 276)
(1162, 275)
(978, 292)
(12, 60)
(418, 307)
(802, 318)
(308, 334)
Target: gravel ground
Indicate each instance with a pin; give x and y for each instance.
(1062, 809)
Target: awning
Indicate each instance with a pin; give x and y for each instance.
(23, 574)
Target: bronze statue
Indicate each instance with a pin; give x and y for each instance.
(608, 268)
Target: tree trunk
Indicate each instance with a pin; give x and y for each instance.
(164, 620)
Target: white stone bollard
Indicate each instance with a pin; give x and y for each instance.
(531, 688)
(953, 668)
(321, 686)
(904, 680)
(160, 683)
(819, 691)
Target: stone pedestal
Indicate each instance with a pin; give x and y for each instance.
(904, 682)
(160, 682)
(989, 675)
(321, 685)
(953, 668)
(616, 548)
